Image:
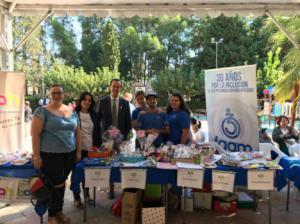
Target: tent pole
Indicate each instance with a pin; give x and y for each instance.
(12, 6)
(20, 44)
(282, 29)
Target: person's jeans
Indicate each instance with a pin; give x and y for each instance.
(57, 167)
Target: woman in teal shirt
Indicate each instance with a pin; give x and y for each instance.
(56, 147)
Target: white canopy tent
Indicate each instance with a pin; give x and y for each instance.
(129, 8)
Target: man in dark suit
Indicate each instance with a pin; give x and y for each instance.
(113, 110)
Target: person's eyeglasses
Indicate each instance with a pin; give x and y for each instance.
(57, 93)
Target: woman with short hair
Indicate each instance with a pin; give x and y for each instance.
(284, 135)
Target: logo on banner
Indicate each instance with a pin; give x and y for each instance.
(230, 126)
(2, 191)
(11, 101)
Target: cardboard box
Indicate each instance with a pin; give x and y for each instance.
(131, 204)
(245, 201)
(202, 200)
(153, 213)
(187, 204)
(182, 160)
(221, 194)
(206, 188)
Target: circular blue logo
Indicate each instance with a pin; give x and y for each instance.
(230, 126)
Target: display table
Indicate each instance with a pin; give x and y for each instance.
(160, 176)
(291, 171)
(165, 177)
(21, 171)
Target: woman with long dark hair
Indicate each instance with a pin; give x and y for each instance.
(179, 119)
(90, 131)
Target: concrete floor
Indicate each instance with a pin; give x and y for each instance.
(23, 213)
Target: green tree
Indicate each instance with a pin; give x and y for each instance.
(75, 80)
(189, 84)
(90, 53)
(65, 42)
(234, 49)
(131, 54)
(271, 72)
(110, 47)
(289, 85)
(173, 33)
(31, 57)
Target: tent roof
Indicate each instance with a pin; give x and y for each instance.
(129, 8)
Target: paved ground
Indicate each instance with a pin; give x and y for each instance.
(23, 213)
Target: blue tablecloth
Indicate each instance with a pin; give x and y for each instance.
(291, 169)
(22, 171)
(162, 176)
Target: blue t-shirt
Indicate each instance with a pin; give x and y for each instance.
(135, 113)
(178, 120)
(153, 120)
(59, 133)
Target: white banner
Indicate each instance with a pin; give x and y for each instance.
(133, 178)
(231, 105)
(97, 177)
(223, 181)
(11, 110)
(261, 179)
(190, 178)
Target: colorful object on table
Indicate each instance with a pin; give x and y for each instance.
(112, 134)
(100, 154)
(131, 158)
(141, 133)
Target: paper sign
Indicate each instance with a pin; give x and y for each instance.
(23, 190)
(261, 179)
(190, 178)
(222, 181)
(8, 188)
(133, 178)
(97, 177)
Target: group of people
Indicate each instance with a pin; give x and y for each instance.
(61, 136)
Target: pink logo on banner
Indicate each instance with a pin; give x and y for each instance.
(2, 191)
